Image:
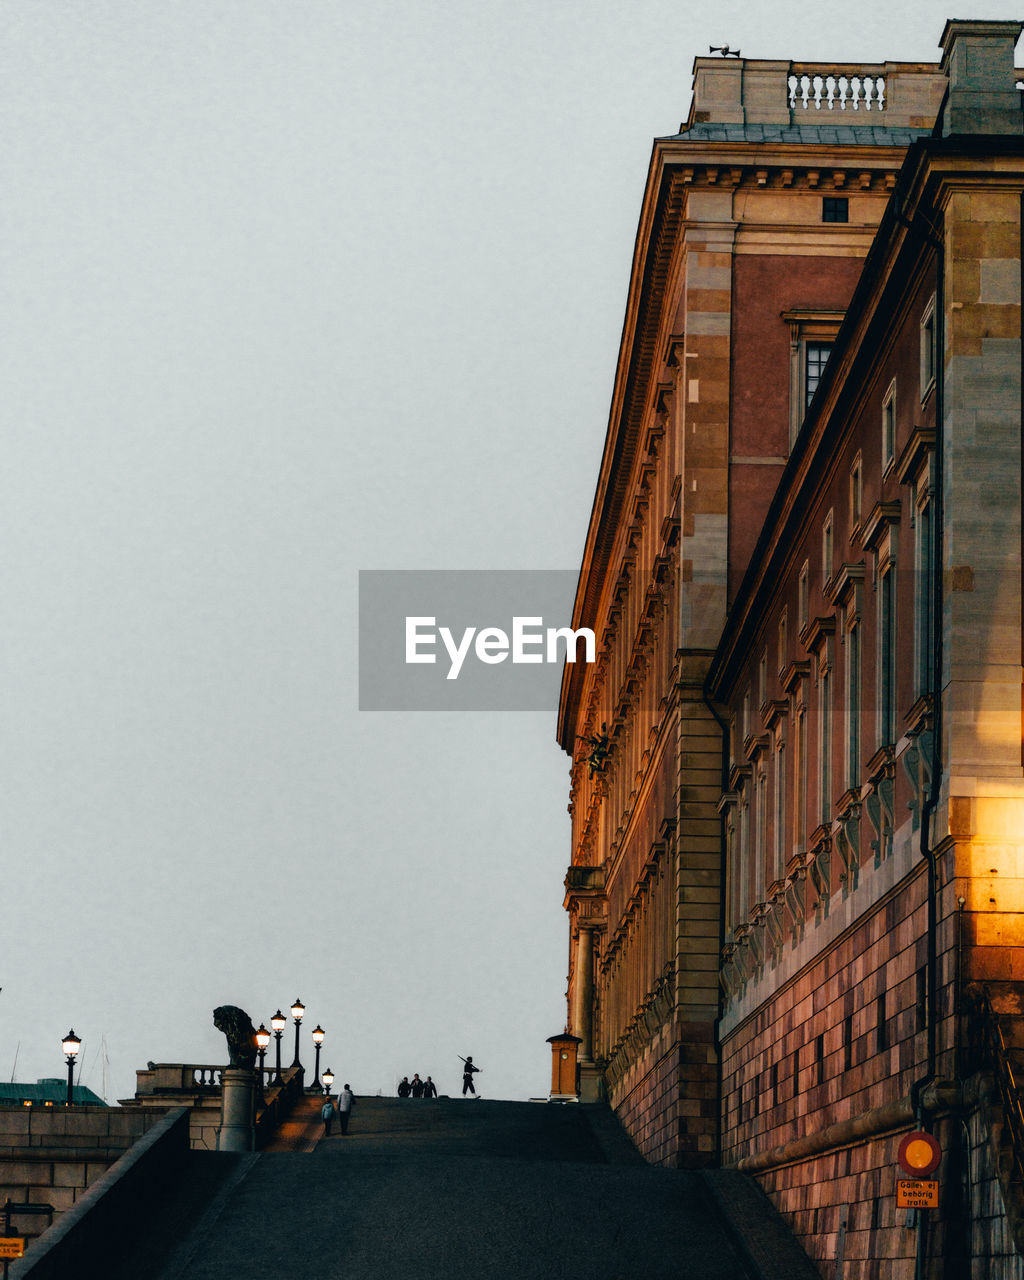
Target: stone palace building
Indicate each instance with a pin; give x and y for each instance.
(797, 795)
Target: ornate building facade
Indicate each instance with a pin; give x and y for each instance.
(798, 843)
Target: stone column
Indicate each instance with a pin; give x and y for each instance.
(583, 992)
(237, 1130)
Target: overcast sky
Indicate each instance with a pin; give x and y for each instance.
(291, 290)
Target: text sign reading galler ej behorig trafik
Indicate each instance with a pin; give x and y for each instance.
(467, 640)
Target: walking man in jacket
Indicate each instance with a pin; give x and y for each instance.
(345, 1100)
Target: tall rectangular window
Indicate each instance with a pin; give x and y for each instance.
(803, 597)
(780, 809)
(743, 898)
(825, 743)
(827, 548)
(856, 489)
(853, 722)
(889, 426)
(887, 657)
(816, 358)
(746, 715)
(924, 599)
(783, 642)
(761, 850)
(928, 349)
(762, 679)
(801, 766)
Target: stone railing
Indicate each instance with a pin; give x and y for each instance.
(832, 88)
(185, 1077)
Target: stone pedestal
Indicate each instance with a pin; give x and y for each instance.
(591, 1083)
(237, 1130)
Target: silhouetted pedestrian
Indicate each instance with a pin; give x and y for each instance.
(429, 1088)
(417, 1086)
(346, 1100)
(467, 1075)
(405, 1088)
(327, 1115)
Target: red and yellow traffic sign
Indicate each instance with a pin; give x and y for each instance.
(919, 1154)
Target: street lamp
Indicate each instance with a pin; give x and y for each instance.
(298, 1009)
(70, 1045)
(278, 1022)
(262, 1041)
(318, 1039)
(328, 1081)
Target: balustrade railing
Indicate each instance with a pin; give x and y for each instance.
(813, 88)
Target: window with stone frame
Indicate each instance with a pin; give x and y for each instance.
(801, 767)
(853, 698)
(825, 740)
(760, 818)
(929, 350)
(827, 548)
(803, 595)
(781, 783)
(783, 641)
(743, 868)
(889, 427)
(924, 585)
(811, 336)
(856, 496)
(886, 655)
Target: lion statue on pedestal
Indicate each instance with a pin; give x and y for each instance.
(239, 1033)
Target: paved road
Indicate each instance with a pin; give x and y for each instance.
(473, 1190)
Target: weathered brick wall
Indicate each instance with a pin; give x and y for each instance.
(647, 1103)
(844, 1035)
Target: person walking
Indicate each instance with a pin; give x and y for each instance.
(429, 1088)
(346, 1100)
(405, 1088)
(467, 1075)
(327, 1115)
(417, 1086)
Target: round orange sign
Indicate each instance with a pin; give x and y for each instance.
(919, 1154)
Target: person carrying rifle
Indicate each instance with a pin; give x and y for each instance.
(467, 1075)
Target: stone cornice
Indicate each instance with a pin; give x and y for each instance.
(877, 524)
(916, 454)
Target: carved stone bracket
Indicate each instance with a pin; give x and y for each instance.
(846, 832)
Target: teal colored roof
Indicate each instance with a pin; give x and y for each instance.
(851, 135)
(54, 1091)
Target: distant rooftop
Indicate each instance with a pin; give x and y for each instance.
(49, 1092)
(851, 135)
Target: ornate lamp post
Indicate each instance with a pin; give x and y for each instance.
(298, 1009)
(318, 1039)
(328, 1081)
(70, 1045)
(278, 1022)
(262, 1041)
